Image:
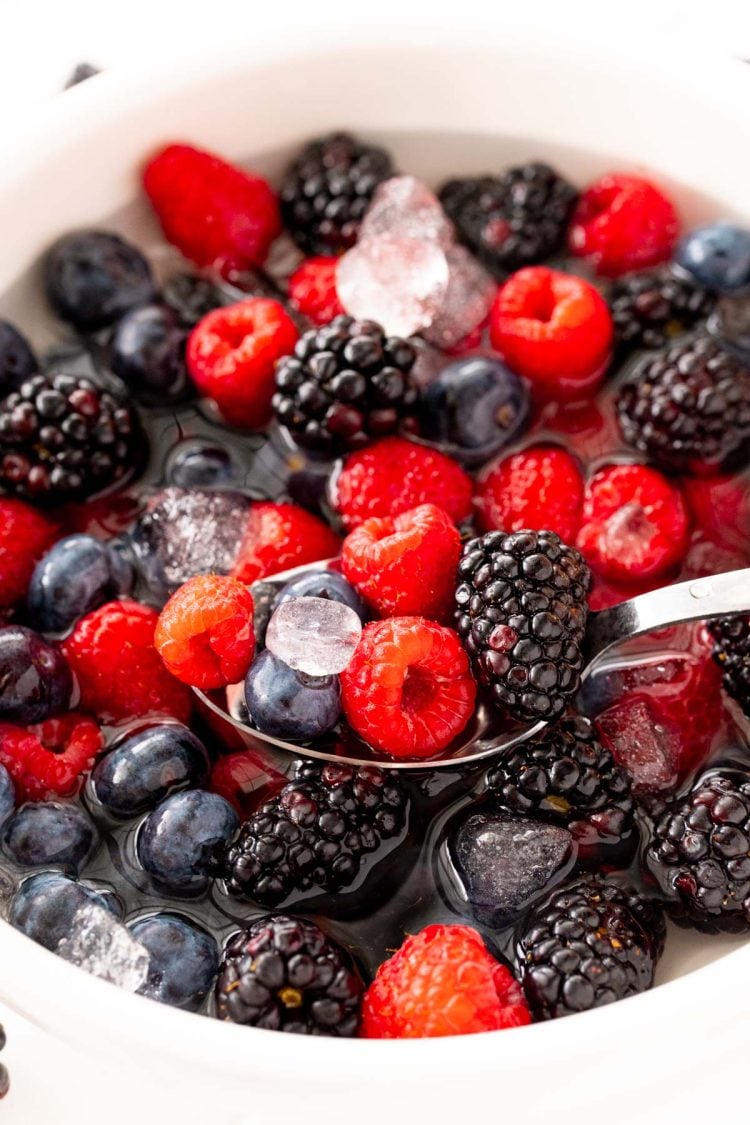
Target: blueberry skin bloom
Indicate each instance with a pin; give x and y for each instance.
(35, 680)
(324, 584)
(289, 704)
(49, 835)
(180, 842)
(146, 767)
(718, 256)
(45, 905)
(77, 575)
(184, 960)
(7, 795)
(93, 277)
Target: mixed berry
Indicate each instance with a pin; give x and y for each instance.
(471, 418)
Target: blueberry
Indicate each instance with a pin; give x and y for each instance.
(93, 277)
(45, 905)
(17, 361)
(146, 767)
(718, 256)
(474, 408)
(78, 574)
(198, 464)
(289, 704)
(180, 842)
(35, 680)
(148, 354)
(324, 584)
(184, 960)
(49, 835)
(7, 794)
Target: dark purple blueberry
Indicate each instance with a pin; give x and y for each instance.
(201, 464)
(184, 960)
(44, 906)
(324, 584)
(146, 767)
(79, 574)
(35, 680)
(17, 360)
(718, 255)
(181, 841)
(50, 834)
(93, 277)
(148, 354)
(289, 704)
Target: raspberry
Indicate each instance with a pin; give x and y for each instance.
(25, 535)
(394, 475)
(49, 759)
(280, 536)
(555, 329)
(634, 524)
(215, 213)
(312, 290)
(623, 223)
(240, 777)
(231, 355)
(205, 632)
(408, 690)
(540, 487)
(119, 672)
(404, 565)
(442, 981)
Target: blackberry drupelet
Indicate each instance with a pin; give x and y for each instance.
(63, 438)
(687, 407)
(732, 653)
(512, 220)
(565, 775)
(327, 190)
(346, 385)
(590, 944)
(699, 853)
(650, 308)
(284, 974)
(521, 614)
(315, 833)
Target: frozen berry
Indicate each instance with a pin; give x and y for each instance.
(49, 759)
(290, 704)
(622, 223)
(312, 290)
(77, 575)
(148, 354)
(93, 277)
(45, 904)
(35, 680)
(146, 766)
(183, 960)
(328, 584)
(49, 834)
(650, 308)
(17, 360)
(25, 534)
(717, 255)
(205, 631)
(541, 487)
(278, 537)
(180, 843)
(731, 636)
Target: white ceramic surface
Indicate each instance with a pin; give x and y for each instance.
(76, 166)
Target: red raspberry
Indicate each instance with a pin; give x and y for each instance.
(720, 506)
(405, 565)
(394, 475)
(623, 223)
(555, 329)
(442, 981)
(119, 672)
(205, 631)
(49, 759)
(312, 290)
(215, 213)
(408, 690)
(243, 778)
(540, 488)
(231, 356)
(280, 536)
(634, 524)
(25, 535)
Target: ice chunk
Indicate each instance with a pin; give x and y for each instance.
(467, 300)
(314, 635)
(404, 207)
(647, 748)
(506, 862)
(101, 945)
(399, 282)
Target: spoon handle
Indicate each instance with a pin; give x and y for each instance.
(695, 600)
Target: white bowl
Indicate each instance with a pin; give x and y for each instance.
(460, 103)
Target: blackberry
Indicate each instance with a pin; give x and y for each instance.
(565, 775)
(315, 833)
(732, 653)
(192, 297)
(687, 406)
(327, 190)
(699, 853)
(17, 360)
(346, 384)
(590, 944)
(521, 614)
(512, 220)
(64, 438)
(284, 974)
(650, 308)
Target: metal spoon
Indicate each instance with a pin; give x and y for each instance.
(488, 733)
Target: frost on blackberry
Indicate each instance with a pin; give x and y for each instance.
(314, 635)
(101, 945)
